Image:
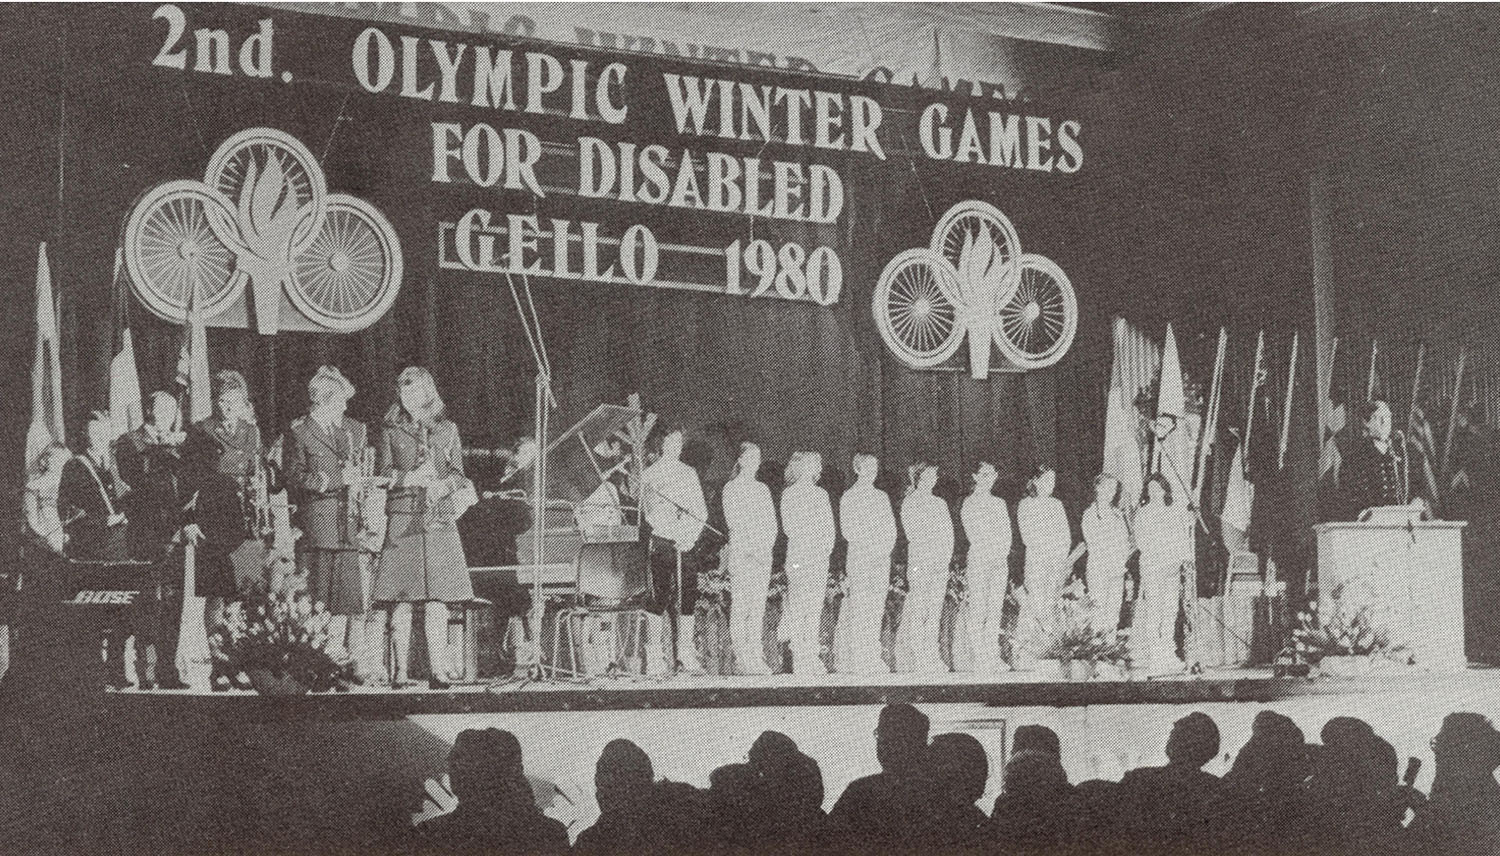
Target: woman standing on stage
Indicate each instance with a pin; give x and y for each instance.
(423, 560)
(1106, 536)
(750, 516)
(225, 461)
(987, 526)
(810, 534)
(1045, 533)
(870, 528)
(929, 554)
(1165, 530)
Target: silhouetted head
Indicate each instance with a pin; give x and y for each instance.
(622, 776)
(1194, 741)
(485, 767)
(1038, 738)
(1467, 741)
(803, 783)
(1033, 774)
(900, 738)
(958, 766)
(1344, 731)
(772, 752)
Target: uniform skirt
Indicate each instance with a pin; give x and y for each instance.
(422, 560)
(335, 579)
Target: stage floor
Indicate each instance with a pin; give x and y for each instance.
(1011, 689)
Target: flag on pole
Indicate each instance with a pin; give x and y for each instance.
(1239, 498)
(1332, 415)
(1171, 429)
(125, 409)
(192, 364)
(1122, 445)
(46, 371)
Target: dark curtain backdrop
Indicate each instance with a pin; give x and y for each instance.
(788, 376)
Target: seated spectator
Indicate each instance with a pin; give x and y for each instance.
(496, 809)
(874, 812)
(1355, 802)
(1463, 813)
(731, 806)
(957, 769)
(623, 787)
(1038, 737)
(1177, 808)
(1265, 786)
(1035, 810)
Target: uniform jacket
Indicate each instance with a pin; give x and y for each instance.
(404, 445)
(154, 469)
(88, 494)
(315, 460)
(221, 461)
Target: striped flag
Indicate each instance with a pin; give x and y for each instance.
(192, 364)
(1122, 446)
(46, 372)
(124, 381)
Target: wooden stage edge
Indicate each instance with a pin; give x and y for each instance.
(1255, 686)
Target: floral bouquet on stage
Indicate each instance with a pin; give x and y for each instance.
(279, 639)
(1348, 628)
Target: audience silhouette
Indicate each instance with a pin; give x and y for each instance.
(1282, 795)
(496, 808)
(875, 813)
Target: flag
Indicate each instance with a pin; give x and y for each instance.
(192, 364)
(46, 372)
(1122, 446)
(1173, 444)
(1239, 498)
(1420, 452)
(124, 382)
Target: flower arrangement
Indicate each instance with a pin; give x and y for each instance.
(1076, 639)
(1349, 629)
(282, 634)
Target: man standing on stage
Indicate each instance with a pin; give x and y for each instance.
(150, 459)
(90, 497)
(324, 453)
(675, 512)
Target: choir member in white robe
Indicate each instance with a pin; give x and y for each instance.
(870, 528)
(1106, 532)
(929, 536)
(1165, 531)
(750, 515)
(807, 517)
(1044, 532)
(986, 522)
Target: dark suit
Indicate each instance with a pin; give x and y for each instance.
(1372, 478)
(157, 513)
(221, 461)
(315, 460)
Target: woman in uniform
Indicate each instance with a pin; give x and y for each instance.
(423, 560)
(223, 456)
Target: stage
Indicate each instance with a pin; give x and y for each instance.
(1012, 689)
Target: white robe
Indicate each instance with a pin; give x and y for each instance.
(810, 534)
(929, 537)
(987, 525)
(1164, 533)
(1108, 538)
(1044, 531)
(870, 528)
(750, 516)
(670, 483)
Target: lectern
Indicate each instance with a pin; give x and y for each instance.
(1411, 571)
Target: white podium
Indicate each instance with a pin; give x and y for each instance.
(1412, 573)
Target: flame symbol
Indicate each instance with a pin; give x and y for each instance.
(268, 215)
(981, 273)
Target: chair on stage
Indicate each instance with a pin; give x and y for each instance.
(603, 629)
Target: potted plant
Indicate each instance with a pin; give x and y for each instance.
(1343, 640)
(1077, 647)
(279, 639)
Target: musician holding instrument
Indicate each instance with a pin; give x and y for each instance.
(330, 472)
(150, 459)
(227, 473)
(423, 559)
(91, 498)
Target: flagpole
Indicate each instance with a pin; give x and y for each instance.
(1210, 431)
(1286, 409)
(1458, 384)
(1370, 382)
